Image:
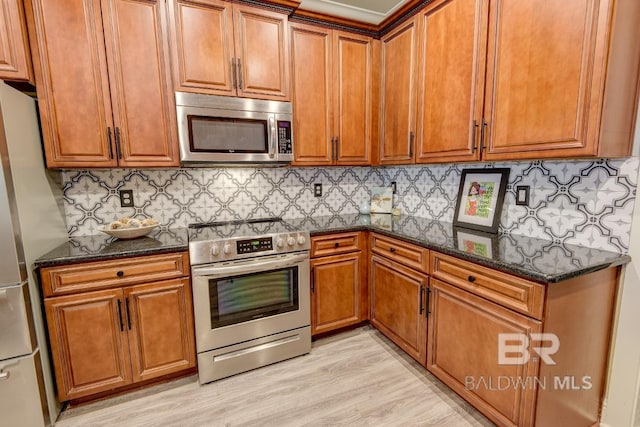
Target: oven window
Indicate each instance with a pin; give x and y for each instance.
(227, 135)
(252, 296)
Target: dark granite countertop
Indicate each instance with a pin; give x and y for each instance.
(102, 247)
(531, 258)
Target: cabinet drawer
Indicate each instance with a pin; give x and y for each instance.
(72, 278)
(334, 244)
(405, 253)
(510, 291)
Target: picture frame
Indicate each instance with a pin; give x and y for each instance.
(381, 200)
(480, 199)
(476, 243)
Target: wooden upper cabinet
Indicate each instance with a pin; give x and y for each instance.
(15, 56)
(398, 93)
(452, 63)
(332, 79)
(202, 35)
(262, 53)
(352, 101)
(311, 58)
(72, 82)
(228, 49)
(141, 91)
(562, 79)
(111, 103)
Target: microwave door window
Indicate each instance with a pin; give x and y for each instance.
(242, 298)
(227, 135)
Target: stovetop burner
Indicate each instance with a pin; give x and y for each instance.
(234, 222)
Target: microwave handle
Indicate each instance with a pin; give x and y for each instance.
(244, 267)
(274, 137)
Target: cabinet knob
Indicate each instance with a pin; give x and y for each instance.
(472, 279)
(336, 245)
(120, 274)
(392, 249)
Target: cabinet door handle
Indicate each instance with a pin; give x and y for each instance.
(337, 148)
(118, 148)
(421, 298)
(426, 309)
(482, 135)
(120, 315)
(474, 146)
(128, 315)
(333, 148)
(110, 142)
(472, 278)
(313, 281)
(233, 73)
(240, 83)
(411, 144)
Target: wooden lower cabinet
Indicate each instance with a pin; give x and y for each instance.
(463, 352)
(336, 288)
(398, 308)
(105, 340)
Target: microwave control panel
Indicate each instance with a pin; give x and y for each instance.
(284, 137)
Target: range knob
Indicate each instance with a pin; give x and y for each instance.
(227, 249)
(279, 243)
(215, 250)
(291, 241)
(301, 240)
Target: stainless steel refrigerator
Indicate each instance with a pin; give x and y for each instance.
(31, 223)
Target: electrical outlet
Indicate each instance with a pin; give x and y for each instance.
(317, 190)
(522, 195)
(393, 187)
(126, 198)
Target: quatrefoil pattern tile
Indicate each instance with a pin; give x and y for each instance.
(587, 203)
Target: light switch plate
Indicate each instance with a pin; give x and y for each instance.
(522, 195)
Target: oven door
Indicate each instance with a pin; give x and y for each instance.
(247, 299)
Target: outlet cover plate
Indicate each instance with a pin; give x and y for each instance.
(317, 190)
(126, 198)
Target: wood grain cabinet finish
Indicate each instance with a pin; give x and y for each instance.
(104, 340)
(112, 104)
(229, 49)
(399, 91)
(463, 351)
(333, 82)
(398, 305)
(339, 291)
(405, 253)
(15, 55)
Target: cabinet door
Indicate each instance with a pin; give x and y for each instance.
(311, 79)
(540, 63)
(352, 81)
(262, 53)
(452, 64)
(141, 90)
(88, 342)
(15, 57)
(398, 92)
(161, 336)
(202, 43)
(336, 292)
(73, 85)
(398, 305)
(463, 352)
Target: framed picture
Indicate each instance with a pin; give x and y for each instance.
(381, 199)
(476, 242)
(480, 198)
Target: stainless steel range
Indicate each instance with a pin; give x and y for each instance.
(250, 293)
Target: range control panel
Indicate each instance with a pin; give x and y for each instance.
(284, 137)
(254, 245)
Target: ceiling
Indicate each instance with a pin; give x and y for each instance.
(370, 11)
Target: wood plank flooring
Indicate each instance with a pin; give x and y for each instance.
(356, 378)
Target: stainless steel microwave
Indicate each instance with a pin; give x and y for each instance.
(233, 131)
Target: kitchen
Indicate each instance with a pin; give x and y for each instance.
(354, 128)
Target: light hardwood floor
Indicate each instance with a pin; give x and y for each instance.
(355, 378)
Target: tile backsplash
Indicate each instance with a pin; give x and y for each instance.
(588, 203)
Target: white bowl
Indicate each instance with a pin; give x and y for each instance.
(128, 233)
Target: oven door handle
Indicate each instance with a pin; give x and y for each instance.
(249, 267)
